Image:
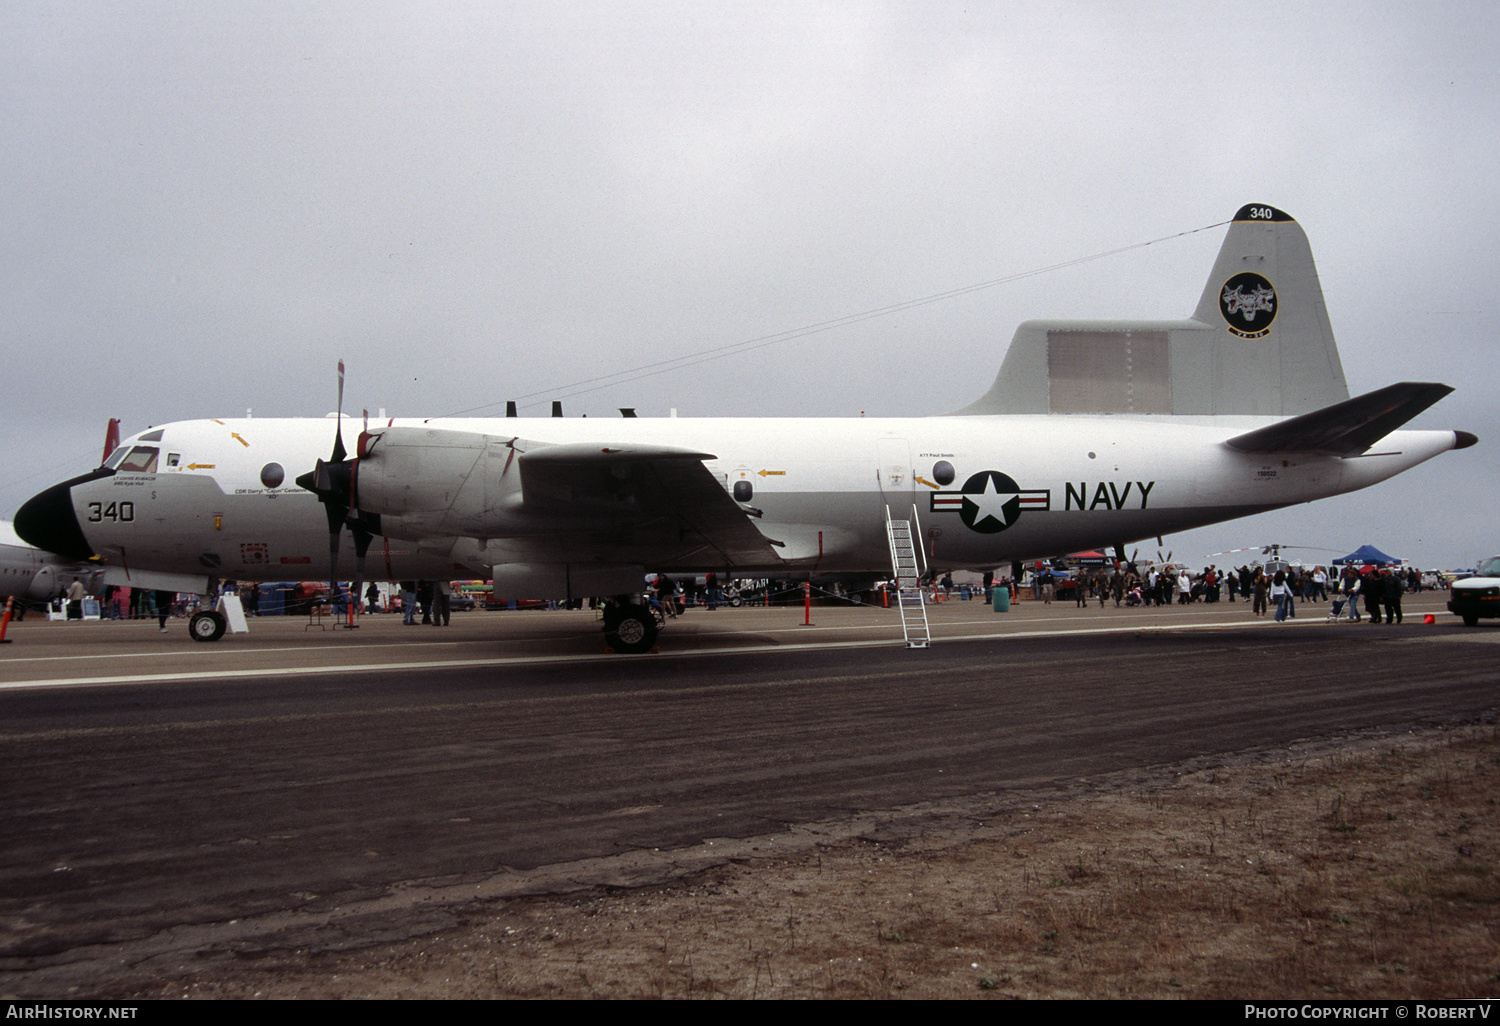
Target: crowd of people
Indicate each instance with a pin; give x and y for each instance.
(1368, 593)
(1377, 589)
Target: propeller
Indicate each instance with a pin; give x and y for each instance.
(332, 481)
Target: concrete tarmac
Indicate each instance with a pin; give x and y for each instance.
(53, 653)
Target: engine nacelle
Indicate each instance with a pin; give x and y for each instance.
(43, 586)
(432, 481)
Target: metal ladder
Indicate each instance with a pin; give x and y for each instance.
(908, 574)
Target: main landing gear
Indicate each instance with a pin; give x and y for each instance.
(629, 626)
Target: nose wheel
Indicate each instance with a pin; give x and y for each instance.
(207, 626)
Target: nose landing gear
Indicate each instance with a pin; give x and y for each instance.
(207, 626)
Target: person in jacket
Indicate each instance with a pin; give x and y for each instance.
(1348, 588)
(1394, 587)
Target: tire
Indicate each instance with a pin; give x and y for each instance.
(207, 626)
(635, 631)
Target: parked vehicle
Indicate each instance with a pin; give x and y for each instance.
(1478, 597)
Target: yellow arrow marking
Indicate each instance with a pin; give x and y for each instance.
(237, 438)
(771, 473)
(929, 484)
(200, 466)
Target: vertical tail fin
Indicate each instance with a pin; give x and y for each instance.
(1271, 331)
(111, 439)
(1258, 343)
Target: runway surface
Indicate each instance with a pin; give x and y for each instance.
(161, 794)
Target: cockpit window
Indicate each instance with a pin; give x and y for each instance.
(141, 460)
(115, 457)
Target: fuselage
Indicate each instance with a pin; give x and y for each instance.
(29, 573)
(219, 498)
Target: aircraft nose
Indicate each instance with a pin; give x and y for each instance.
(47, 520)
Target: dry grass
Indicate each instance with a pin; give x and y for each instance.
(1368, 871)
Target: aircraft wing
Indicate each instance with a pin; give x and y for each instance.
(1347, 428)
(647, 490)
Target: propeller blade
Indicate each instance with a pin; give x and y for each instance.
(333, 560)
(362, 539)
(338, 422)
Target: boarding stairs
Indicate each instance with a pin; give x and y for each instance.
(908, 574)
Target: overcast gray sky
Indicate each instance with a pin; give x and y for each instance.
(205, 206)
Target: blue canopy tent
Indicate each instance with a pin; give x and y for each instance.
(1367, 554)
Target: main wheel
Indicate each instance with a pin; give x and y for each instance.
(634, 631)
(207, 626)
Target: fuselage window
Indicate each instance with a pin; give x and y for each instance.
(142, 460)
(271, 475)
(744, 491)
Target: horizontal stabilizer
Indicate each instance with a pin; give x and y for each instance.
(1347, 428)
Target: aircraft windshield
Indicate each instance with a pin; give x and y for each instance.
(115, 457)
(141, 460)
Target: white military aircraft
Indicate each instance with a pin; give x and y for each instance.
(1094, 433)
(31, 575)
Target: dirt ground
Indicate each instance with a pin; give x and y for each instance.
(1359, 869)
